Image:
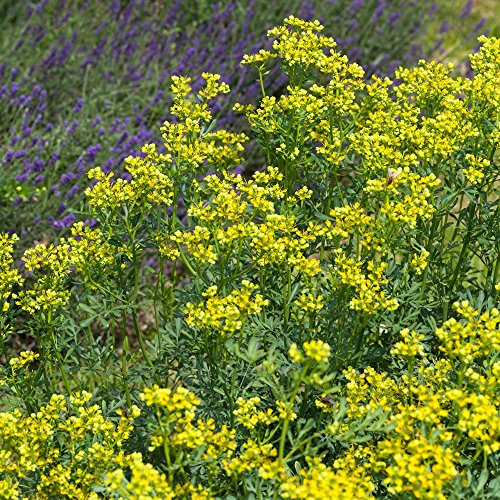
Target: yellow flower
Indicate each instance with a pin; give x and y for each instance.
(253, 456)
(225, 314)
(476, 337)
(410, 346)
(370, 297)
(310, 303)
(295, 355)
(285, 410)
(319, 481)
(420, 261)
(25, 358)
(8, 277)
(317, 350)
(248, 415)
(475, 168)
(149, 186)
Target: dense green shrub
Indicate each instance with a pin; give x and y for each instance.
(85, 83)
(336, 336)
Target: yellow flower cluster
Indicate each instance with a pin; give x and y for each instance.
(239, 214)
(186, 108)
(145, 482)
(285, 411)
(249, 416)
(429, 82)
(420, 261)
(187, 142)
(478, 416)
(351, 221)
(49, 259)
(485, 84)
(299, 42)
(197, 243)
(65, 450)
(368, 391)
(51, 265)
(315, 350)
(319, 481)
(417, 467)
(278, 241)
(176, 425)
(367, 287)
(9, 277)
(475, 168)
(24, 358)
(181, 399)
(406, 208)
(148, 187)
(226, 314)
(310, 303)
(300, 46)
(259, 58)
(89, 249)
(427, 416)
(410, 345)
(253, 456)
(476, 337)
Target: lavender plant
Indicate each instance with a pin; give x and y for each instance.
(86, 82)
(336, 337)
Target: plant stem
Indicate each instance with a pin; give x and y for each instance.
(287, 418)
(60, 361)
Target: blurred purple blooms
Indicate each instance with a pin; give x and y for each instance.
(58, 127)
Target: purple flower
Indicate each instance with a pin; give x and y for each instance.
(393, 18)
(150, 262)
(92, 152)
(65, 222)
(90, 222)
(445, 26)
(26, 132)
(354, 24)
(78, 106)
(71, 130)
(467, 9)
(8, 156)
(38, 165)
(379, 11)
(71, 192)
(66, 178)
(53, 158)
(433, 9)
(60, 209)
(21, 153)
(476, 29)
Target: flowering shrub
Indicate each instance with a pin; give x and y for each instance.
(85, 82)
(336, 336)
